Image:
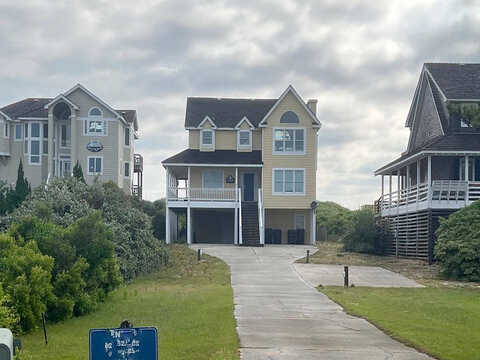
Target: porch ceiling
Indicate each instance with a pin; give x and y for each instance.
(215, 158)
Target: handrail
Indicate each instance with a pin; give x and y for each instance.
(202, 194)
(260, 217)
(240, 234)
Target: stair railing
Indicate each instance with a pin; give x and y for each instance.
(240, 233)
(260, 217)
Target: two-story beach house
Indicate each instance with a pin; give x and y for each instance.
(439, 172)
(248, 176)
(50, 135)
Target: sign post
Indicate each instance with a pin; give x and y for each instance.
(124, 344)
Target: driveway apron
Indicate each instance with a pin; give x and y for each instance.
(280, 316)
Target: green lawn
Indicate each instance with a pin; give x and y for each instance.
(191, 305)
(444, 322)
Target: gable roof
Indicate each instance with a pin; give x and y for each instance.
(456, 81)
(291, 89)
(31, 107)
(226, 112)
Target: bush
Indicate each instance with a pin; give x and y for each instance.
(8, 318)
(66, 200)
(364, 234)
(26, 276)
(458, 244)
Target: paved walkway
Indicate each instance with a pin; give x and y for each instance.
(280, 316)
(374, 276)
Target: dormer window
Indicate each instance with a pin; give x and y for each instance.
(244, 139)
(207, 137)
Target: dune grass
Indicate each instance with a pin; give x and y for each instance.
(190, 303)
(443, 322)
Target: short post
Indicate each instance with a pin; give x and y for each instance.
(125, 324)
(345, 276)
(308, 256)
(199, 254)
(44, 328)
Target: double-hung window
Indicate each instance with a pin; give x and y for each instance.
(288, 181)
(34, 143)
(25, 149)
(289, 141)
(213, 179)
(126, 169)
(127, 136)
(244, 140)
(95, 165)
(207, 138)
(5, 130)
(18, 132)
(65, 135)
(45, 139)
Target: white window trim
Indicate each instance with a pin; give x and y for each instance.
(207, 146)
(288, 193)
(40, 142)
(129, 137)
(244, 147)
(295, 220)
(123, 170)
(88, 167)
(101, 118)
(22, 126)
(203, 179)
(6, 126)
(289, 152)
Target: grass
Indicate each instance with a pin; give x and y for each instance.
(443, 322)
(190, 303)
(418, 270)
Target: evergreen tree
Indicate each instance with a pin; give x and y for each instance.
(78, 172)
(22, 187)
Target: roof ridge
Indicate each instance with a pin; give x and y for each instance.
(229, 98)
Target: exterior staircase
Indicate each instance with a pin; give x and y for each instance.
(250, 233)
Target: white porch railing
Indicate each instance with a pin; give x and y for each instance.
(261, 224)
(201, 194)
(442, 193)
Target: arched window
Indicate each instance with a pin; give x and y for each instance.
(95, 112)
(289, 117)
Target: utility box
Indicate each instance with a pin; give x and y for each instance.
(6, 344)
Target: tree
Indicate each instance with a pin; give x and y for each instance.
(78, 172)
(334, 217)
(22, 187)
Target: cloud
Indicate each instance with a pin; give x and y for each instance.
(360, 59)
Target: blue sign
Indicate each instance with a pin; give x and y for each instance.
(94, 146)
(124, 344)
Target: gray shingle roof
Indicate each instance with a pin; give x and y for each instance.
(453, 142)
(34, 107)
(226, 113)
(457, 81)
(190, 156)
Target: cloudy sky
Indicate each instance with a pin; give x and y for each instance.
(360, 59)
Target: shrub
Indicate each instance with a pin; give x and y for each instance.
(26, 275)
(8, 318)
(364, 234)
(458, 244)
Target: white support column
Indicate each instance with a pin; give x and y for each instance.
(408, 176)
(418, 172)
(235, 227)
(467, 177)
(73, 139)
(390, 191)
(236, 184)
(189, 225)
(399, 189)
(313, 232)
(167, 225)
(429, 178)
(50, 144)
(383, 187)
(188, 185)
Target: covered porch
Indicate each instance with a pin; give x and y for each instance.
(429, 180)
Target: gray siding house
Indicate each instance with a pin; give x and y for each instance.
(439, 172)
(51, 134)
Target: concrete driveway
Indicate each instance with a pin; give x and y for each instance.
(281, 316)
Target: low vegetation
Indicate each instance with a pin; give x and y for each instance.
(442, 322)
(190, 303)
(334, 218)
(458, 246)
(67, 247)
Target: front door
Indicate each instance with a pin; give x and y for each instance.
(248, 186)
